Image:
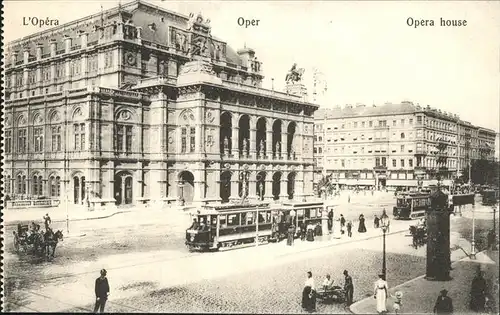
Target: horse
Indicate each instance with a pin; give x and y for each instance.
(51, 240)
(295, 75)
(38, 242)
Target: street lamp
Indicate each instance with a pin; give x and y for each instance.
(384, 225)
(181, 186)
(494, 232)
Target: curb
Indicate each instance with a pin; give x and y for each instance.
(353, 306)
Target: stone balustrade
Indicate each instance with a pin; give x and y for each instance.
(37, 203)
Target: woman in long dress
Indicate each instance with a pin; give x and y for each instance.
(381, 294)
(308, 294)
(362, 226)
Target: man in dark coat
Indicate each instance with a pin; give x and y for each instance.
(101, 291)
(444, 304)
(478, 293)
(348, 288)
(342, 223)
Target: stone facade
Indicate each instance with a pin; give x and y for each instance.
(395, 144)
(144, 106)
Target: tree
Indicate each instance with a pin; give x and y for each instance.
(325, 184)
(483, 172)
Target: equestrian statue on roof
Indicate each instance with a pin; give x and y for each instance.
(294, 75)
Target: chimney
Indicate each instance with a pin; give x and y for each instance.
(39, 51)
(53, 47)
(67, 44)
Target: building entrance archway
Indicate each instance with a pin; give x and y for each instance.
(186, 185)
(123, 188)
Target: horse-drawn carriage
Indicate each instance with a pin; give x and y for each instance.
(35, 240)
(419, 234)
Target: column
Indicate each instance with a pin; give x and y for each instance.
(216, 174)
(84, 38)
(198, 193)
(268, 193)
(122, 201)
(283, 186)
(39, 51)
(53, 47)
(26, 55)
(253, 143)
(13, 60)
(269, 144)
(252, 186)
(299, 187)
(119, 31)
(67, 44)
(235, 142)
(235, 180)
(284, 145)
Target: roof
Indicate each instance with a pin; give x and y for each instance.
(143, 15)
(363, 110)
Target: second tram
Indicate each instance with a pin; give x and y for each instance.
(411, 206)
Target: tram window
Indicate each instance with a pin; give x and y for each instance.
(268, 216)
(223, 222)
(233, 219)
(202, 219)
(308, 213)
(214, 221)
(300, 214)
(313, 213)
(250, 218)
(262, 217)
(243, 218)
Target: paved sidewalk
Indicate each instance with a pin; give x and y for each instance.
(419, 295)
(135, 267)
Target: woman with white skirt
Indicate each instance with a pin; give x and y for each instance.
(381, 294)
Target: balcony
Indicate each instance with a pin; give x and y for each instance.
(380, 168)
(420, 152)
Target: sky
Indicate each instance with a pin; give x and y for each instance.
(365, 50)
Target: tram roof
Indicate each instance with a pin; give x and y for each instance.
(230, 207)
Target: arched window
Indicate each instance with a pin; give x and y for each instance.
(123, 138)
(7, 184)
(55, 186)
(402, 135)
(21, 184)
(37, 185)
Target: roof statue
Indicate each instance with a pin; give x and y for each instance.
(294, 75)
(198, 23)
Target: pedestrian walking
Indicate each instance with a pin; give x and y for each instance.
(478, 292)
(398, 303)
(291, 232)
(349, 199)
(310, 233)
(342, 223)
(348, 288)
(380, 294)
(47, 221)
(376, 222)
(101, 291)
(444, 304)
(362, 226)
(309, 294)
(349, 228)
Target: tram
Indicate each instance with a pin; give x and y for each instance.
(411, 205)
(227, 225)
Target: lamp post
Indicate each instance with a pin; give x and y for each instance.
(473, 243)
(384, 224)
(494, 237)
(181, 186)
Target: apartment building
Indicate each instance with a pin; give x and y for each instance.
(395, 144)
